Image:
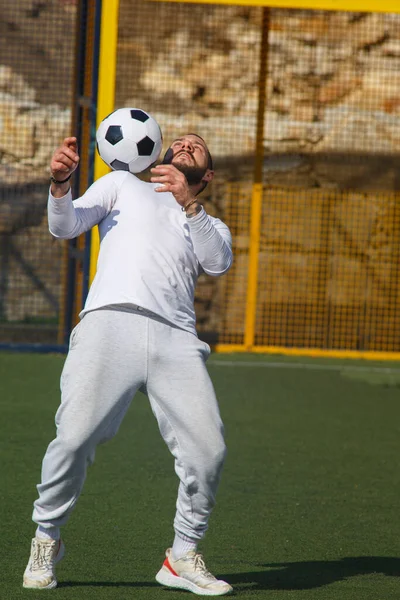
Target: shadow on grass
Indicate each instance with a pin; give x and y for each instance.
(122, 584)
(313, 574)
(284, 576)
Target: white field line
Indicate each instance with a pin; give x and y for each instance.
(298, 365)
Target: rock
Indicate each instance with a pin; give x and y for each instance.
(391, 48)
(14, 84)
(367, 32)
(345, 134)
(338, 88)
(29, 132)
(16, 129)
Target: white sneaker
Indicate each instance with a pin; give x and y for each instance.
(40, 570)
(190, 573)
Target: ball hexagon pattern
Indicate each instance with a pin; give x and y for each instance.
(129, 139)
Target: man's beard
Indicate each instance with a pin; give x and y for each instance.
(194, 175)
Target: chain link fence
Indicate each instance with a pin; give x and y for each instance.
(327, 258)
(324, 264)
(36, 85)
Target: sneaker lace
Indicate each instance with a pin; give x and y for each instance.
(42, 557)
(199, 565)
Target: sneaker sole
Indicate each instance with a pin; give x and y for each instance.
(51, 586)
(53, 583)
(165, 577)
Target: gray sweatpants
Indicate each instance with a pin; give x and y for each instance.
(112, 355)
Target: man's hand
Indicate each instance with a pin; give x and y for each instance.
(63, 163)
(173, 181)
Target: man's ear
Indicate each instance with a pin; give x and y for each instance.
(209, 175)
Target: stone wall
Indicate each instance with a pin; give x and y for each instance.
(333, 86)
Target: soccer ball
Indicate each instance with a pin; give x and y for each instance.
(129, 139)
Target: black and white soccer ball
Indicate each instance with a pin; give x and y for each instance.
(129, 139)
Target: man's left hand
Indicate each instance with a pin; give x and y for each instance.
(173, 181)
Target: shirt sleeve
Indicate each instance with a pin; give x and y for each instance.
(69, 218)
(212, 243)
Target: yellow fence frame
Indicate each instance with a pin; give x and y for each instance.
(310, 352)
(387, 6)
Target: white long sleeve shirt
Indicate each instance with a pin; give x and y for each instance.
(151, 254)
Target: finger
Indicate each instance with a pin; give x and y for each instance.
(164, 188)
(62, 168)
(64, 160)
(70, 147)
(58, 168)
(164, 169)
(66, 156)
(161, 179)
(70, 141)
(70, 152)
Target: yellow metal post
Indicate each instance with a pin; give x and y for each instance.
(105, 96)
(257, 192)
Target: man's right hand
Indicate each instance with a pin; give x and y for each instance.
(63, 163)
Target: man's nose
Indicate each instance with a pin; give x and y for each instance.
(186, 145)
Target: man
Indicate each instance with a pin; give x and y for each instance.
(137, 332)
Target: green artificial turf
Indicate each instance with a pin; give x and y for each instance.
(309, 500)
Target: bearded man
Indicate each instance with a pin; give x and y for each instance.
(137, 331)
